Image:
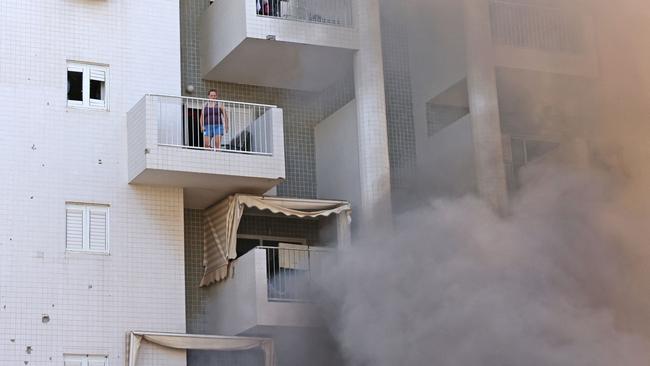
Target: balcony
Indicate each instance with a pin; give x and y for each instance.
(295, 44)
(271, 288)
(255, 283)
(544, 38)
(166, 147)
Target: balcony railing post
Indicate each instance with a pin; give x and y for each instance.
(288, 273)
(187, 122)
(330, 12)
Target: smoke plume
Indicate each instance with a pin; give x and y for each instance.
(563, 279)
(557, 282)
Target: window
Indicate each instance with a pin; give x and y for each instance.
(86, 228)
(87, 86)
(85, 360)
(447, 107)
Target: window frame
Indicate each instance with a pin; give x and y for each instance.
(261, 238)
(86, 209)
(87, 70)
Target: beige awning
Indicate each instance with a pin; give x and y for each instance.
(200, 342)
(221, 222)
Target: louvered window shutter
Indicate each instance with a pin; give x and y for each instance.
(98, 229)
(97, 361)
(74, 360)
(87, 228)
(74, 228)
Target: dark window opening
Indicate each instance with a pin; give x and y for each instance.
(97, 89)
(192, 134)
(246, 245)
(75, 85)
(447, 107)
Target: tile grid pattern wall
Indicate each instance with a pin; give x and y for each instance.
(374, 164)
(194, 301)
(301, 109)
(62, 154)
(399, 106)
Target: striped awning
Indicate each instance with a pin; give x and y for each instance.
(221, 222)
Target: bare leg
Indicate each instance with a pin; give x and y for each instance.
(217, 141)
(206, 141)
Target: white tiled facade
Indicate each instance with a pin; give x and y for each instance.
(55, 302)
(53, 154)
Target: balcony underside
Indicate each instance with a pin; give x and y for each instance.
(284, 65)
(202, 190)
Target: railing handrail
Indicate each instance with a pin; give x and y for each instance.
(307, 249)
(231, 126)
(313, 14)
(538, 6)
(350, 26)
(211, 100)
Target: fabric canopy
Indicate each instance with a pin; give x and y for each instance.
(221, 222)
(200, 342)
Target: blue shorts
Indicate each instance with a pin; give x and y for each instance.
(213, 130)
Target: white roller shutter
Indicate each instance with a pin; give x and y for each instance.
(97, 74)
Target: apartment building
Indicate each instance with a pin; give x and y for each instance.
(129, 237)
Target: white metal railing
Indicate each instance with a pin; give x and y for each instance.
(212, 124)
(332, 12)
(535, 26)
(289, 272)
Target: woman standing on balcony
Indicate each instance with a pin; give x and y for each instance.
(214, 121)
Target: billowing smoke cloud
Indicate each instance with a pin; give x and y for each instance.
(563, 279)
(557, 282)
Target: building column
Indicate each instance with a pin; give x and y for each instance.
(484, 105)
(374, 166)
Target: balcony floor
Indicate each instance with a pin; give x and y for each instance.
(202, 190)
(283, 65)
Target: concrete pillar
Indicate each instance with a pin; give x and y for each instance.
(484, 105)
(374, 167)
